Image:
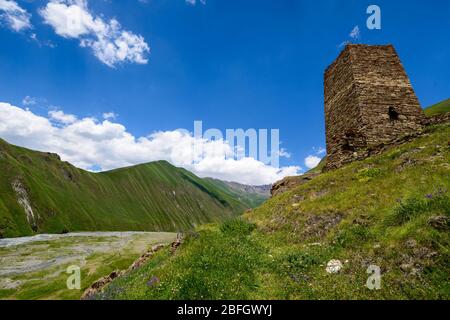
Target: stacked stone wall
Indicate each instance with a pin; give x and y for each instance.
(369, 101)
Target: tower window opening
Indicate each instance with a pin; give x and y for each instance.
(347, 146)
(393, 115)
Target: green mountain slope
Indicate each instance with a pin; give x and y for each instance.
(438, 108)
(59, 197)
(390, 211)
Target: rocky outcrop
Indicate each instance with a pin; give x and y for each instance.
(317, 226)
(290, 183)
(441, 223)
(174, 246)
(145, 257)
(24, 201)
(100, 284)
(415, 258)
(438, 118)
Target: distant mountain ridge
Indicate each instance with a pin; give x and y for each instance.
(40, 193)
(252, 196)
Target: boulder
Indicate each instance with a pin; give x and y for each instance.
(98, 285)
(439, 222)
(334, 266)
(290, 183)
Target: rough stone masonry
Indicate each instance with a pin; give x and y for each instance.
(369, 101)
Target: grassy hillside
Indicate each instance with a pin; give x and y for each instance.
(151, 197)
(438, 108)
(391, 211)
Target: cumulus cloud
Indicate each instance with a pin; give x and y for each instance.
(312, 161)
(61, 117)
(88, 143)
(109, 42)
(14, 16)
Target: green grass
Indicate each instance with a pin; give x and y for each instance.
(438, 108)
(150, 197)
(371, 212)
(218, 262)
(414, 207)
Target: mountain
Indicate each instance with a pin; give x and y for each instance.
(438, 108)
(326, 238)
(252, 196)
(40, 193)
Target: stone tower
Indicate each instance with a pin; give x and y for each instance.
(369, 101)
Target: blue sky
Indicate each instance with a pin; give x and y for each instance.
(231, 64)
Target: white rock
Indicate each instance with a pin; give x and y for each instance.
(334, 266)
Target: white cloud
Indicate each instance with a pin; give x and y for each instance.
(283, 153)
(29, 101)
(194, 2)
(108, 41)
(14, 16)
(312, 161)
(109, 115)
(88, 143)
(61, 117)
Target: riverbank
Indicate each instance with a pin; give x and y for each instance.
(36, 267)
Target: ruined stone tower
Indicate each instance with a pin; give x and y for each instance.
(369, 101)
